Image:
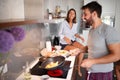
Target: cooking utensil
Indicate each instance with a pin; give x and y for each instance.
(59, 59)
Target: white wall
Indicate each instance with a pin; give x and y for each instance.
(117, 17)
(64, 5)
(108, 6)
(11, 9)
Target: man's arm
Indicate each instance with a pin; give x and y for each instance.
(114, 55)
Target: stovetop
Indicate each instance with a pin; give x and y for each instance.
(36, 70)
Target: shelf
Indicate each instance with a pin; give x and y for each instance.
(16, 22)
(55, 20)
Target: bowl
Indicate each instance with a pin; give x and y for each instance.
(58, 47)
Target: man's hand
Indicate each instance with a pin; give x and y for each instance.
(87, 63)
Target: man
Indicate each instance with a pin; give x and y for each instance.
(103, 44)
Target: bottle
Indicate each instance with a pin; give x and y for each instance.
(27, 74)
(57, 11)
(56, 41)
(50, 16)
(49, 46)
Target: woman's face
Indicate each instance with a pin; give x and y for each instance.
(71, 15)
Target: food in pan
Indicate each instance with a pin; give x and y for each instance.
(52, 64)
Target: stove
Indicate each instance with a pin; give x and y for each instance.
(36, 70)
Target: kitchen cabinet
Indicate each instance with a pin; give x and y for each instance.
(20, 12)
(21, 9)
(34, 9)
(11, 9)
(117, 17)
(30, 12)
(27, 12)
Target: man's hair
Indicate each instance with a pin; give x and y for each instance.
(67, 18)
(93, 6)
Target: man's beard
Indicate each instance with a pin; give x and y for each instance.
(89, 22)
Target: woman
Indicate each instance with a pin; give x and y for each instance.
(68, 33)
(68, 30)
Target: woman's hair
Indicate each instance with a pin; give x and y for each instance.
(67, 18)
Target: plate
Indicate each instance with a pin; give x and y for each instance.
(63, 52)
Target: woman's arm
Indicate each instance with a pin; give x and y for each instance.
(68, 41)
(78, 36)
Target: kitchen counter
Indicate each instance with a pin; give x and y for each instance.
(33, 77)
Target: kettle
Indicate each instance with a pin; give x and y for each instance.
(56, 40)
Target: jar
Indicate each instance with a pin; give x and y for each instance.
(50, 16)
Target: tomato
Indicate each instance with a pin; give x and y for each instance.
(55, 73)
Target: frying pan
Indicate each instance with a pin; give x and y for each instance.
(60, 60)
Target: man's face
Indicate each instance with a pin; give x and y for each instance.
(87, 17)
